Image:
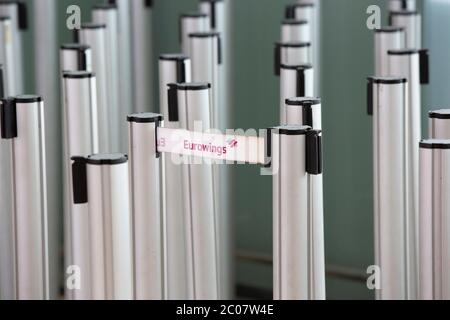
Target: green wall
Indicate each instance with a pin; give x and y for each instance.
(347, 48)
(347, 61)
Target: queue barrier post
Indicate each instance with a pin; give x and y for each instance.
(387, 103)
(173, 68)
(22, 121)
(299, 268)
(101, 181)
(434, 277)
(80, 137)
(147, 227)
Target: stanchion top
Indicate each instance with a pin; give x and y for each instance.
(435, 144)
(291, 8)
(293, 22)
(293, 44)
(439, 114)
(389, 29)
(193, 15)
(78, 74)
(302, 101)
(174, 57)
(192, 86)
(211, 0)
(78, 158)
(106, 159)
(423, 57)
(204, 34)
(105, 6)
(22, 12)
(291, 130)
(93, 25)
(387, 80)
(404, 13)
(75, 46)
(28, 98)
(145, 117)
(407, 51)
(296, 67)
(300, 5)
(5, 2)
(404, 4)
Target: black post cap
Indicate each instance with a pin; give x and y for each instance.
(172, 98)
(314, 152)
(424, 66)
(8, 118)
(79, 180)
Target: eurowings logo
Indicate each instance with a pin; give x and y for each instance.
(202, 147)
(209, 147)
(232, 143)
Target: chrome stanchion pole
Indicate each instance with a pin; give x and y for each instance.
(434, 220)
(81, 137)
(299, 268)
(434, 210)
(7, 88)
(94, 35)
(206, 56)
(47, 83)
(398, 5)
(193, 102)
(309, 10)
(303, 11)
(205, 53)
(7, 58)
(125, 55)
(17, 11)
(439, 124)
(173, 68)
(293, 30)
(107, 14)
(22, 121)
(295, 81)
(7, 238)
(389, 38)
(72, 57)
(304, 111)
(147, 239)
(218, 13)
(387, 102)
(192, 23)
(411, 21)
(103, 183)
(413, 65)
(292, 53)
(308, 112)
(141, 12)
(75, 57)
